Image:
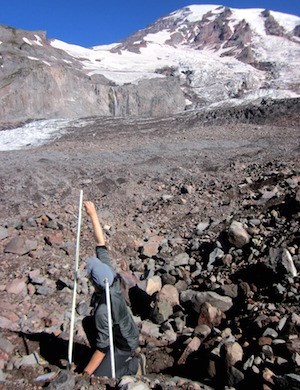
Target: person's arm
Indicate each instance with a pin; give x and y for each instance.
(94, 363)
(91, 211)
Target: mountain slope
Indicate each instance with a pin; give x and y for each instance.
(199, 56)
(222, 53)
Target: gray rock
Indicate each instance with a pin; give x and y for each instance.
(287, 382)
(131, 383)
(201, 227)
(167, 198)
(3, 233)
(202, 331)
(180, 324)
(216, 254)
(235, 376)
(288, 263)
(271, 333)
(20, 246)
(45, 377)
(248, 363)
(65, 380)
(168, 279)
(181, 259)
(83, 309)
(29, 360)
(38, 280)
(6, 345)
(2, 376)
(150, 329)
(231, 290)
(198, 298)
(162, 311)
(44, 290)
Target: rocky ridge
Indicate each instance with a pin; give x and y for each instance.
(203, 227)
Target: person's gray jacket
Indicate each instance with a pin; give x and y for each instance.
(125, 331)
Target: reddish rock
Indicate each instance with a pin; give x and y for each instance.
(10, 315)
(150, 248)
(17, 286)
(169, 294)
(31, 289)
(55, 239)
(5, 323)
(192, 346)
(238, 236)
(210, 315)
(234, 353)
(264, 341)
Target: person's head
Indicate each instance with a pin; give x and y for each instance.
(98, 272)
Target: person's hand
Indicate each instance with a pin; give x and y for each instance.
(90, 208)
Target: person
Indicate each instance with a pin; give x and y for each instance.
(125, 331)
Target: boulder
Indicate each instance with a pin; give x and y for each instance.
(20, 246)
(238, 236)
(154, 284)
(210, 315)
(17, 286)
(198, 298)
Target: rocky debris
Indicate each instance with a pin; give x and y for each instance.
(239, 310)
(266, 110)
(215, 295)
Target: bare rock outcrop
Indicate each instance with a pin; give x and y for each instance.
(39, 81)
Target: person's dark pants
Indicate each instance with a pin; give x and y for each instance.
(125, 363)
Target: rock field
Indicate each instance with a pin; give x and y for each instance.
(202, 221)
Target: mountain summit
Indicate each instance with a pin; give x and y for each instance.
(197, 57)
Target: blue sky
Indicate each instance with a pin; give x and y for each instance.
(94, 22)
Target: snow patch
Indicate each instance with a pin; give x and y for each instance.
(105, 47)
(289, 22)
(36, 133)
(160, 37)
(38, 41)
(73, 50)
(198, 11)
(27, 41)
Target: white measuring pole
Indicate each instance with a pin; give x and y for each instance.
(110, 329)
(70, 349)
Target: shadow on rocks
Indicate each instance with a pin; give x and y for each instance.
(140, 302)
(55, 350)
